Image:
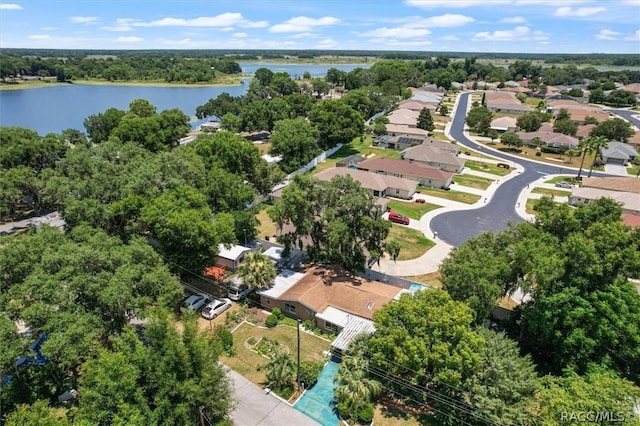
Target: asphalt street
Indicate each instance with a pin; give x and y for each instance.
(456, 227)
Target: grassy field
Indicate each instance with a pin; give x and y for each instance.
(487, 168)
(266, 227)
(412, 243)
(472, 181)
(462, 197)
(412, 209)
(531, 203)
(221, 80)
(246, 362)
(552, 192)
(564, 178)
(31, 84)
(432, 279)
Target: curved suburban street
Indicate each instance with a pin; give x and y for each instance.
(456, 227)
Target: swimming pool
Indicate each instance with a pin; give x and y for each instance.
(415, 287)
(318, 402)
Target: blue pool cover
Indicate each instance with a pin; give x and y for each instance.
(318, 402)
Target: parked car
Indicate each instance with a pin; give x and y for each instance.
(215, 308)
(398, 218)
(564, 184)
(194, 302)
(237, 289)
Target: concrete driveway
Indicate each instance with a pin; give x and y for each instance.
(616, 169)
(254, 407)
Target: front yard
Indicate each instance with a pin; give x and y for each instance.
(412, 210)
(472, 181)
(246, 361)
(356, 147)
(551, 192)
(487, 168)
(462, 197)
(413, 243)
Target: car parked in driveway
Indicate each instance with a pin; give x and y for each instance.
(194, 302)
(215, 308)
(564, 184)
(398, 218)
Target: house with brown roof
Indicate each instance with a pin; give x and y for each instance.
(504, 124)
(328, 296)
(380, 185)
(556, 140)
(618, 183)
(423, 174)
(403, 130)
(625, 190)
(439, 154)
(584, 130)
(404, 117)
(416, 105)
(504, 102)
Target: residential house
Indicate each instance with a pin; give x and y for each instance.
(556, 140)
(625, 190)
(505, 124)
(350, 160)
(504, 102)
(618, 153)
(329, 296)
(402, 130)
(396, 142)
(423, 174)
(584, 131)
(439, 154)
(431, 87)
(380, 185)
(416, 105)
(404, 117)
(231, 257)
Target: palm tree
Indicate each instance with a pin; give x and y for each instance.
(281, 369)
(257, 270)
(355, 390)
(598, 143)
(589, 145)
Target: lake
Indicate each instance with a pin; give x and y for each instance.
(53, 109)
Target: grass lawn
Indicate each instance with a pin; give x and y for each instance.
(412, 209)
(462, 197)
(564, 178)
(266, 227)
(432, 279)
(412, 243)
(552, 192)
(392, 416)
(633, 170)
(246, 362)
(355, 147)
(439, 136)
(487, 168)
(472, 181)
(531, 203)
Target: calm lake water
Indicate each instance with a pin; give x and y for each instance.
(53, 109)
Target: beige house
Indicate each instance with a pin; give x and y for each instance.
(439, 154)
(625, 190)
(505, 124)
(416, 105)
(380, 185)
(404, 130)
(325, 294)
(424, 174)
(404, 117)
(230, 258)
(504, 102)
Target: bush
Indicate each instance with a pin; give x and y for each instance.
(598, 163)
(277, 312)
(538, 154)
(271, 321)
(365, 415)
(226, 338)
(251, 340)
(309, 372)
(343, 409)
(552, 150)
(289, 321)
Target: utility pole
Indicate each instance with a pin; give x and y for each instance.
(298, 375)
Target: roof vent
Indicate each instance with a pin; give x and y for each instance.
(370, 306)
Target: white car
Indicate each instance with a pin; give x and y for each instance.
(215, 308)
(194, 302)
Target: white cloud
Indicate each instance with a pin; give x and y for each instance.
(300, 24)
(39, 36)
(552, 2)
(449, 38)
(632, 2)
(304, 35)
(239, 35)
(578, 12)
(513, 20)
(447, 20)
(83, 19)
(129, 39)
(223, 20)
(634, 37)
(183, 42)
(518, 33)
(326, 43)
(608, 35)
(426, 4)
(397, 33)
(10, 6)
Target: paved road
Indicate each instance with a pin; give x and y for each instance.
(632, 116)
(456, 227)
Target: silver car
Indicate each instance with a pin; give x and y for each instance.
(564, 184)
(215, 308)
(194, 302)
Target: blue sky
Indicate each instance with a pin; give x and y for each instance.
(532, 26)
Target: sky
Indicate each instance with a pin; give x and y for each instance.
(517, 26)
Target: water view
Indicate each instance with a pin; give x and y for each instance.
(53, 109)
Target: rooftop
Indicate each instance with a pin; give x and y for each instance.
(404, 167)
(368, 180)
(624, 184)
(233, 253)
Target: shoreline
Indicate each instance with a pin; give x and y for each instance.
(236, 81)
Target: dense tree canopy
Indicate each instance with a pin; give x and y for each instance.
(296, 141)
(479, 119)
(336, 122)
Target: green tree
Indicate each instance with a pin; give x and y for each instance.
(504, 385)
(38, 413)
(339, 217)
(530, 122)
(336, 122)
(142, 108)
(425, 121)
(511, 139)
(565, 126)
(263, 76)
(320, 86)
(393, 248)
(231, 123)
(296, 141)
(479, 119)
(99, 126)
(444, 110)
(257, 270)
(597, 96)
(597, 143)
(280, 370)
(355, 390)
(615, 129)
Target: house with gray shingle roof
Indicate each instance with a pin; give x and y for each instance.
(618, 153)
(439, 154)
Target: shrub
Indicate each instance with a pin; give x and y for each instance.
(251, 340)
(598, 163)
(309, 372)
(289, 321)
(308, 325)
(226, 338)
(343, 409)
(552, 149)
(538, 154)
(277, 312)
(271, 321)
(365, 415)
